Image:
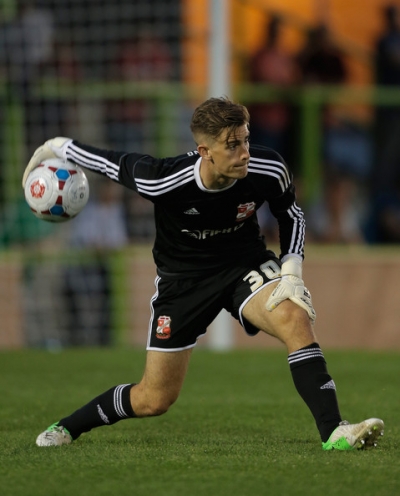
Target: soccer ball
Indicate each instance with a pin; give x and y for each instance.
(57, 190)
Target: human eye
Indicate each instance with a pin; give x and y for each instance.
(232, 145)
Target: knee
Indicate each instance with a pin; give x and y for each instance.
(158, 406)
(292, 326)
(151, 404)
(288, 314)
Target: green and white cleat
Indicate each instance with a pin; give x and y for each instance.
(355, 436)
(55, 435)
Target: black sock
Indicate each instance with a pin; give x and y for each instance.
(316, 387)
(107, 409)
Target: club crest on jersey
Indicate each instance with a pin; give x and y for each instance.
(163, 327)
(245, 210)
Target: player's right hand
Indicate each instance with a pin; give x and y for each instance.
(53, 148)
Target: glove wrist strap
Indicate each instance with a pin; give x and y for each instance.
(59, 145)
(292, 266)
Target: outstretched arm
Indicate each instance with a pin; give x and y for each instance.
(101, 161)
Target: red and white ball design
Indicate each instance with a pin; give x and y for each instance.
(57, 190)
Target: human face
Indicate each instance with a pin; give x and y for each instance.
(225, 159)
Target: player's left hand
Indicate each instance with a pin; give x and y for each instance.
(291, 287)
(51, 149)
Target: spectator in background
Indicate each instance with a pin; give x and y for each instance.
(387, 62)
(98, 231)
(387, 125)
(270, 122)
(346, 150)
(25, 46)
(320, 61)
(59, 113)
(386, 214)
(385, 177)
(144, 58)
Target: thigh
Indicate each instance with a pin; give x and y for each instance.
(288, 322)
(166, 370)
(162, 381)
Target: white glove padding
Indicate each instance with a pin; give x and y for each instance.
(53, 148)
(291, 287)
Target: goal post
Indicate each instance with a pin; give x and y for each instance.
(219, 84)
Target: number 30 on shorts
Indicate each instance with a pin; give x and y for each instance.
(271, 269)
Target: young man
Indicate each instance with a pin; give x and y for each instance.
(209, 256)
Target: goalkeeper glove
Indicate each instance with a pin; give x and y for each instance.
(53, 148)
(291, 287)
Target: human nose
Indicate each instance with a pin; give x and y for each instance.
(244, 152)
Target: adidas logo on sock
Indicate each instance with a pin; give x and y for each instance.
(192, 211)
(329, 385)
(103, 416)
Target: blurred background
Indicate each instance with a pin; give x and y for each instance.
(321, 79)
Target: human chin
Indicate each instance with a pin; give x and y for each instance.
(240, 171)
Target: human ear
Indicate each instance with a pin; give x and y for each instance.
(204, 152)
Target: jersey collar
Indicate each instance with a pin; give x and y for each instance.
(200, 183)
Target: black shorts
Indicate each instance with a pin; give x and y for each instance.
(181, 310)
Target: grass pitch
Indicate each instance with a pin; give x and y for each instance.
(238, 429)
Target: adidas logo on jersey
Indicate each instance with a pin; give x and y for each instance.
(192, 211)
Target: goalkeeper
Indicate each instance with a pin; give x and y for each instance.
(209, 256)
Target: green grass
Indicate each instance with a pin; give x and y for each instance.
(238, 428)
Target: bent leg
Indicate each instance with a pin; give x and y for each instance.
(159, 388)
(290, 324)
(161, 383)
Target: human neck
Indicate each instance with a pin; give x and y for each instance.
(211, 179)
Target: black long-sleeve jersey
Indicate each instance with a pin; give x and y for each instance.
(199, 229)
